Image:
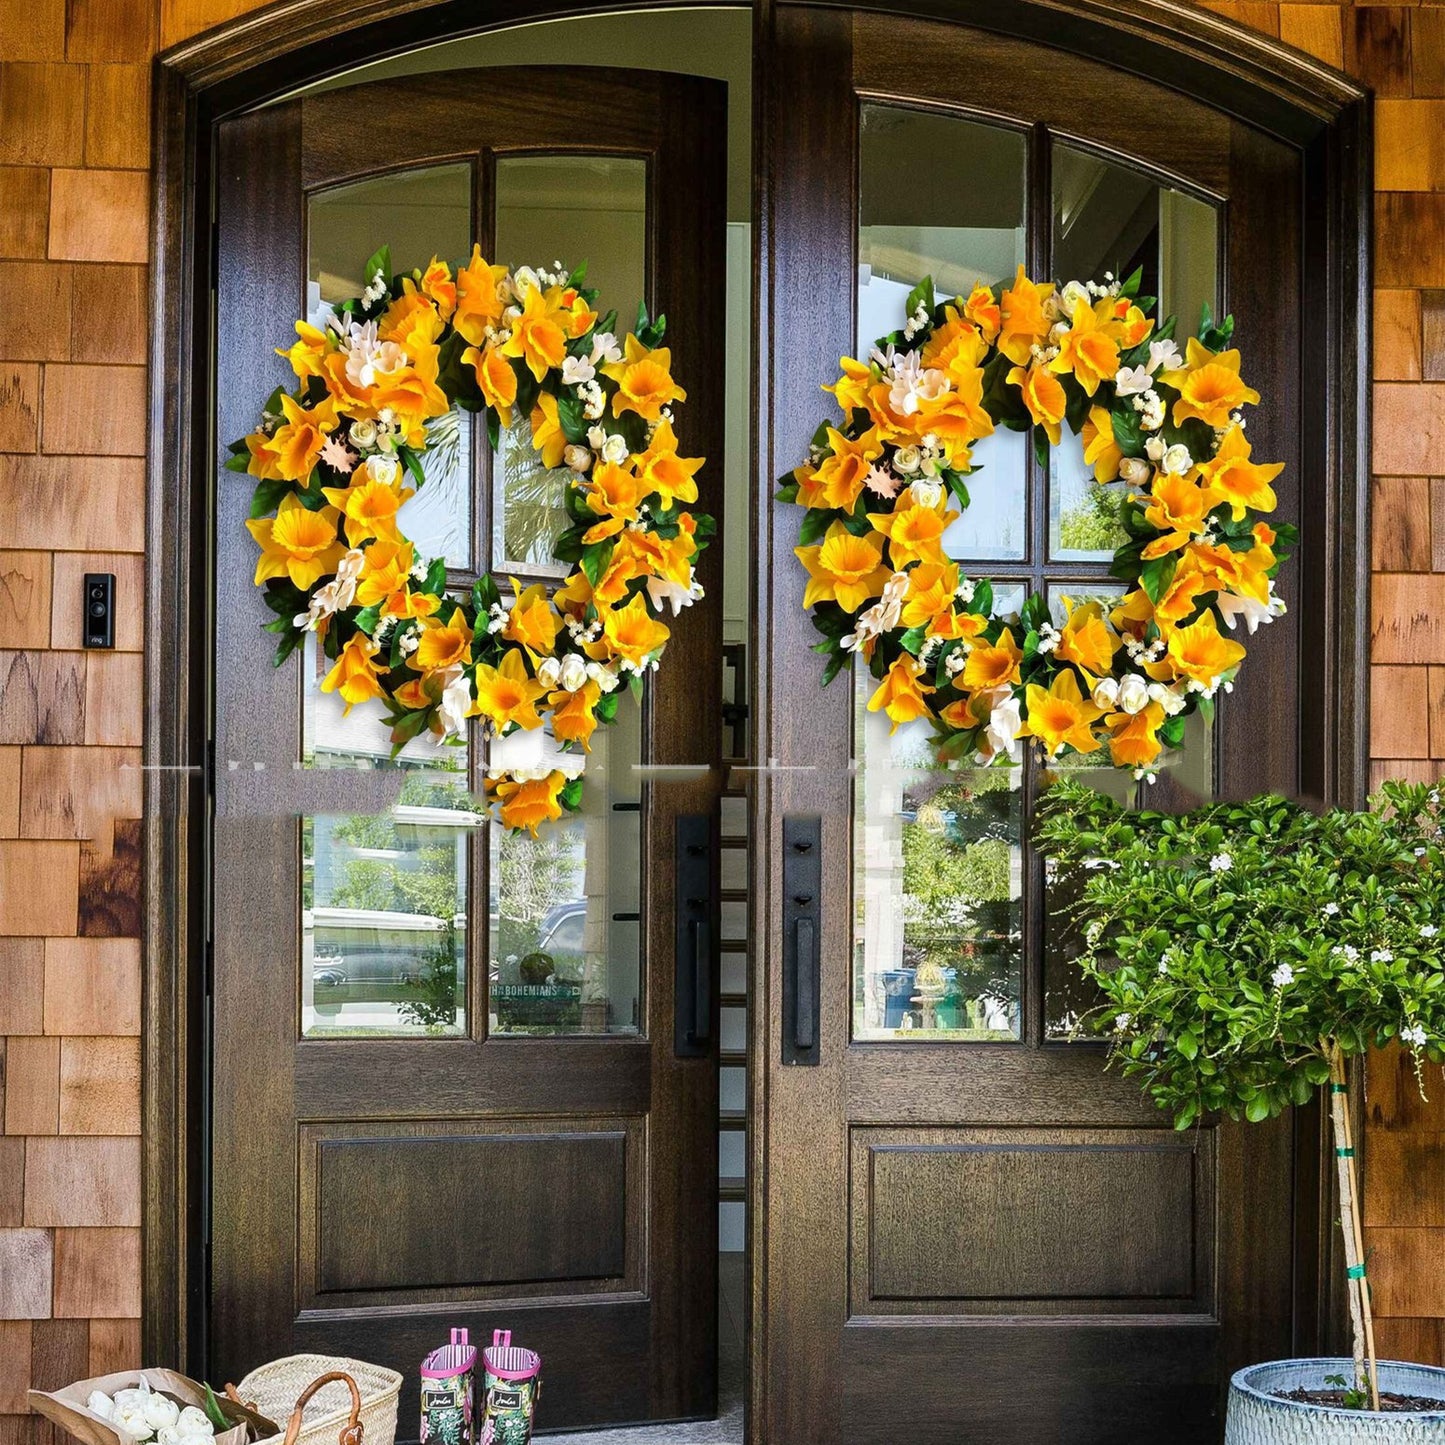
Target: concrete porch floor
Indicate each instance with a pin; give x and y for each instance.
(727, 1429)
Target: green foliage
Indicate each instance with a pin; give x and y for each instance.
(1093, 525)
(1236, 946)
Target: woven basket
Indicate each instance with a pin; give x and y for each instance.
(275, 1389)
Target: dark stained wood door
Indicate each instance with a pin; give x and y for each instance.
(381, 1173)
(984, 1236)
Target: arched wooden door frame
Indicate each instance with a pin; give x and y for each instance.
(295, 43)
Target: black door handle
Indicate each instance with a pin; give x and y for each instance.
(693, 903)
(802, 930)
(702, 982)
(805, 964)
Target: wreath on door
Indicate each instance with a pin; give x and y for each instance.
(381, 387)
(880, 489)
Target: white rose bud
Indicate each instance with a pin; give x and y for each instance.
(1135, 471)
(99, 1403)
(161, 1412)
(578, 458)
(907, 460)
(383, 469)
(1155, 449)
(596, 437)
(1072, 294)
(927, 494)
(1177, 459)
(614, 450)
(363, 433)
(573, 672)
(524, 279)
(548, 671)
(1133, 694)
(1106, 692)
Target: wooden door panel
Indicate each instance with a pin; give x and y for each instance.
(371, 1192)
(1002, 1240)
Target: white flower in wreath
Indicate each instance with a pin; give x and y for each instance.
(926, 493)
(1233, 607)
(363, 434)
(456, 701)
(1135, 471)
(614, 449)
(605, 348)
(572, 672)
(663, 593)
(524, 280)
(999, 736)
(1132, 380)
(907, 460)
(1074, 294)
(577, 458)
(1106, 693)
(1177, 459)
(1164, 356)
(1133, 694)
(576, 370)
(385, 470)
(1155, 448)
(369, 359)
(881, 617)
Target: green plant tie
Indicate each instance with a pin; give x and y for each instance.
(1339, 1088)
(1355, 1271)
(1344, 1153)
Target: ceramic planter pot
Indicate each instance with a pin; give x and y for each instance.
(1257, 1417)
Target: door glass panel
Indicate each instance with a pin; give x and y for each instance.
(1108, 219)
(944, 197)
(566, 906)
(938, 888)
(427, 212)
(561, 209)
(383, 922)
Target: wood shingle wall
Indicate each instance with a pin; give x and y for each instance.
(74, 147)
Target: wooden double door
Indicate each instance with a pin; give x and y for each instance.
(448, 1088)
(962, 1228)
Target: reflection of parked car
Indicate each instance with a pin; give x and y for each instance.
(560, 938)
(360, 950)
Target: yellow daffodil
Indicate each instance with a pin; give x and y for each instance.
(851, 389)
(1060, 715)
(957, 417)
(902, 694)
(666, 473)
(385, 572)
(844, 569)
(891, 425)
(983, 311)
(1197, 652)
(411, 321)
(547, 434)
(1086, 640)
(263, 462)
(436, 285)
(1179, 508)
(495, 379)
(644, 381)
(297, 543)
(956, 347)
(669, 558)
(629, 633)
(1101, 450)
(533, 621)
(837, 481)
(1124, 321)
(505, 694)
(1181, 598)
(354, 675)
(537, 337)
(369, 507)
(297, 442)
(914, 531)
(573, 717)
(413, 395)
(1244, 484)
(930, 599)
(308, 351)
(1209, 385)
(616, 493)
(529, 802)
(1134, 738)
(993, 664)
(1086, 349)
(1134, 613)
(479, 298)
(1022, 319)
(442, 644)
(1042, 395)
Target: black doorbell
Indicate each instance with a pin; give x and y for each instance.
(99, 629)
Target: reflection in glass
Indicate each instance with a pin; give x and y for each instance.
(1084, 523)
(566, 932)
(384, 905)
(567, 209)
(428, 213)
(938, 889)
(958, 217)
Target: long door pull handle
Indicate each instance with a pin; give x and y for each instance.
(805, 1011)
(702, 981)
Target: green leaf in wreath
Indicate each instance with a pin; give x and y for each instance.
(921, 295)
(1156, 575)
(815, 524)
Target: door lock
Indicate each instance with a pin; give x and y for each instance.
(802, 928)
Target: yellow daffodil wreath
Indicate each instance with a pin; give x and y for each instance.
(336, 460)
(880, 489)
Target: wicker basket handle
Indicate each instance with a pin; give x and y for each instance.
(350, 1432)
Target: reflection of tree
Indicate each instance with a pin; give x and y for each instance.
(958, 850)
(432, 1001)
(535, 875)
(1093, 524)
(531, 499)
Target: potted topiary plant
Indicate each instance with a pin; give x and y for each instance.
(1244, 954)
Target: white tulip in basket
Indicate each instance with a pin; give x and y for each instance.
(324, 1400)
